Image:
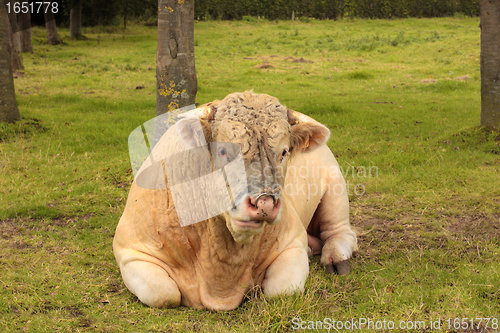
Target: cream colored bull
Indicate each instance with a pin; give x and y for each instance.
(294, 184)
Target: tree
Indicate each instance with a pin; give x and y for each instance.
(176, 84)
(9, 111)
(50, 24)
(75, 19)
(24, 25)
(15, 43)
(490, 64)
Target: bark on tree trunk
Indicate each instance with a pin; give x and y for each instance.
(490, 64)
(176, 84)
(124, 17)
(9, 111)
(50, 24)
(15, 44)
(25, 32)
(75, 19)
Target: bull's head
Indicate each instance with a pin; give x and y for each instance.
(268, 135)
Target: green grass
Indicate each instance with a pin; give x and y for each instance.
(423, 177)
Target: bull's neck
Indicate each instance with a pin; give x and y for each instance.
(223, 245)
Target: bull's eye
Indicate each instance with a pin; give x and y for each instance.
(283, 154)
(222, 152)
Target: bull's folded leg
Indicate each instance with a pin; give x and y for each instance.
(331, 219)
(338, 250)
(151, 284)
(314, 244)
(287, 274)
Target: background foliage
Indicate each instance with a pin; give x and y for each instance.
(95, 12)
(109, 12)
(333, 9)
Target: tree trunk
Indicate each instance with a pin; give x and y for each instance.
(176, 84)
(490, 64)
(25, 32)
(125, 17)
(15, 43)
(50, 24)
(9, 111)
(75, 19)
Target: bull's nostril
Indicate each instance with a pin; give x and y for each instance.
(265, 195)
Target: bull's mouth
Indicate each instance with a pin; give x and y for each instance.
(248, 224)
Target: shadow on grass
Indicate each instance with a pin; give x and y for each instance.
(26, 127)
(474, 138)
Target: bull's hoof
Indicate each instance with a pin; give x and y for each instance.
(330, 269)
(342, 268)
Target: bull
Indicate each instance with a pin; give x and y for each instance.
(293, 203)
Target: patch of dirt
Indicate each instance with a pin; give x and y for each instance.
(366, 220)
(52, 204)
(123, 185)
(355, 60)
(14, 228)
(476, 225)
(10, 228)
(20, 245)
(416, 227)
(249, 58)
(74, 311)
(263, 65)
(85, 322)
(429, 81)
(462, 78)
(302, 60)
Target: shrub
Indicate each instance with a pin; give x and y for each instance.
(333, 9)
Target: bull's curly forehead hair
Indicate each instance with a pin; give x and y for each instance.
(259, 110)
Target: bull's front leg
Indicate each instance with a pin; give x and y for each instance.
(287, 274)
(331, 221)
(150, 283)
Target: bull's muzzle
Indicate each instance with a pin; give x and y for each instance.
(265, 195)
(263, 207)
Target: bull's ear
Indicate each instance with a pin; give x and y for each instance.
(308, 136)
(193, 132)
(306, 133)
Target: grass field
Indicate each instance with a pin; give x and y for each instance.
(402, 99)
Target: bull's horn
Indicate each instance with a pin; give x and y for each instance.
(207, 111)
(295, 118)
